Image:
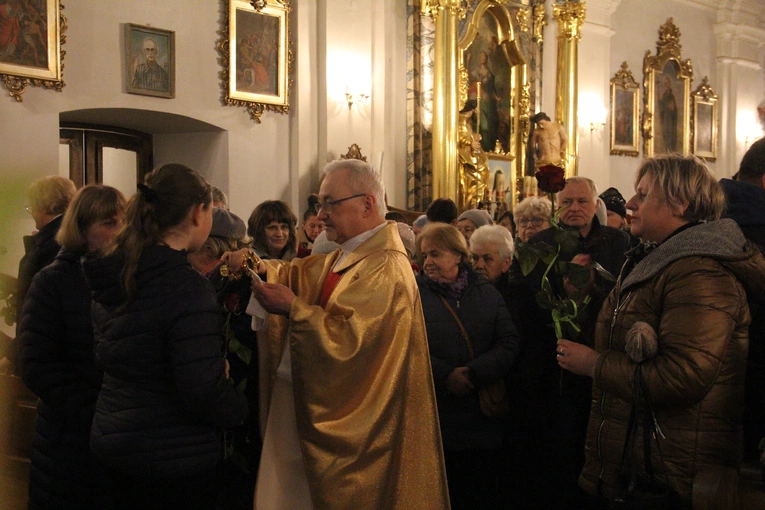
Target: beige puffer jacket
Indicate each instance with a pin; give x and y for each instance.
(692, 290)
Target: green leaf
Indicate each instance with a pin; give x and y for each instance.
(244, 353)
(602, 271)
(233, 344)
(543, 300)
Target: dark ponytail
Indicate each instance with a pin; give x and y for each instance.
(313, 200)
(160, 205)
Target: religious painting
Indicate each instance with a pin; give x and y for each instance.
(149, 61)
(258, 56)
(488, 67)
(624, 113)
(705, 122)
(501, 182)
(31, 35)
(666, 117)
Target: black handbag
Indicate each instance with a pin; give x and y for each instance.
(646, 491)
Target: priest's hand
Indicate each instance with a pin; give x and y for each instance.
(275, 298)
(458, 383)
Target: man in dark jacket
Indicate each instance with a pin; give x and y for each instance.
(596, 243)
(745, 204)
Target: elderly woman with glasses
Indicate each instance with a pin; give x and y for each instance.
(532, 215)
(472, 344)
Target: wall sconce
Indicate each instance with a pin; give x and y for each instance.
(359, 97)
(592, 113)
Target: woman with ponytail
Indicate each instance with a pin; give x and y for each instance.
(165, 395)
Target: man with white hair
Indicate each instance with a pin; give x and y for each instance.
(352, 417)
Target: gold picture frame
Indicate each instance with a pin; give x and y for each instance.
(36, 57)
(705, 121)
(257, 56)
(625, 113)
(149, 61)
(667, 84)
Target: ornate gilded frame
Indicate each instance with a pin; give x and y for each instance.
(509, 155)
(257, 56)
(165, 44)
(666, 71)
(705, 121)
(625, 113)
(21, 71)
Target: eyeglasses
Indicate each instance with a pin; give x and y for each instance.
(537, 222)
(328, 205)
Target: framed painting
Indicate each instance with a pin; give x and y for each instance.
(705, 121)
(667, 83)
(624, 113)
(257, 56)
(149, 61)
(502, 180)
(489, 53)
(31, 36)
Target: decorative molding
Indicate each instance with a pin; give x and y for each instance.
(570, 17)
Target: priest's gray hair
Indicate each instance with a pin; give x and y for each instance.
(363, 179)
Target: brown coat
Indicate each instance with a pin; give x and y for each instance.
(691, 291)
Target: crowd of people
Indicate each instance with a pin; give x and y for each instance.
(579, 356)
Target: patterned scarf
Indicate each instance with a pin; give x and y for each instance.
(456, 288)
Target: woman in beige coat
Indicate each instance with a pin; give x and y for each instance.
(679, 311)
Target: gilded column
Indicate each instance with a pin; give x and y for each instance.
(570, 16)
(445, 169)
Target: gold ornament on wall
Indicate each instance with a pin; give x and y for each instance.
(522, 17)
(666, 102)
(257, 56)
(39, 59)
(625, 108)
(704, 121)
(540, 20)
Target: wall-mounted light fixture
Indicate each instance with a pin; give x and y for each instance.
(358, 97)
(592, 113)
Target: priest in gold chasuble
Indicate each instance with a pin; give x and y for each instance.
(352, 420)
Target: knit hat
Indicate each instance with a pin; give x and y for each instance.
(614, 201)
(407, 237)
(421, 221)
(753, 162)
(227, 225)
(479, 217)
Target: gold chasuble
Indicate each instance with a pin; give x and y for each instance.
(365, 406)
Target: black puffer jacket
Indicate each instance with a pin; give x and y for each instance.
(39, 250)
(164, 397)
(495, 343)
(56, 362)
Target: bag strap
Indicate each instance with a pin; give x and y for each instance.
(465, 336)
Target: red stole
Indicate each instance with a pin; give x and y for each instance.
(329, 285)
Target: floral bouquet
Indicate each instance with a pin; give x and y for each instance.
(569, 298)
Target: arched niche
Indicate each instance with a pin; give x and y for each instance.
(106, 144)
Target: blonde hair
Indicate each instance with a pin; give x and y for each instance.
(445, 237)
(51, 194)
(679, 180)
(91, 204)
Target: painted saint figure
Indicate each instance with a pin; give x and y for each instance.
(668, 115)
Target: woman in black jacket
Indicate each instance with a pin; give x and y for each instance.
(56, 357)
(471, 439)
(165, 396)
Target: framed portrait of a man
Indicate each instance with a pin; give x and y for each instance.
(257, 56)
(667, 83)
(31, 35)
(705, 121)
(149, 61)
(624, 113)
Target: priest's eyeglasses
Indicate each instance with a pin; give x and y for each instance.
(537, 222)
(328, 205)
